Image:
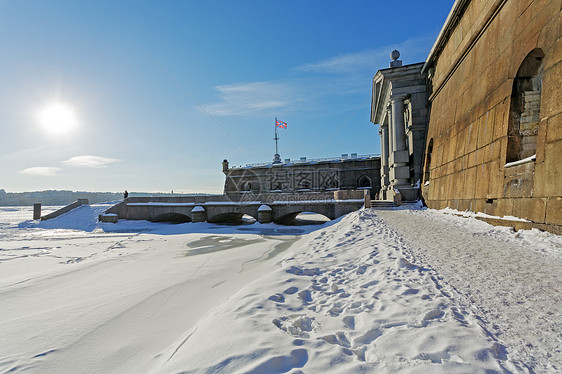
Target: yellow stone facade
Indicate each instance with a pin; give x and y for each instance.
(478, 69)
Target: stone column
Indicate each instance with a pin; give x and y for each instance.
(390, 132)
(384, 157)
(399, 173)
(399, 132)
(384, 144)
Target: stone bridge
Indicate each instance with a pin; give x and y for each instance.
(218, 209)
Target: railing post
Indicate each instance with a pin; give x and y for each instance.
(37, 211)
(367, 198)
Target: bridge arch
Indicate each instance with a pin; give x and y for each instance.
(228, 217)
(296, 217)
(311, 218)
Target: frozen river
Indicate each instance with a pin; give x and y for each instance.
(102, 292)
(405, 291)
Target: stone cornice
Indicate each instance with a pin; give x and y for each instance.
(434, 55)
(448, 27)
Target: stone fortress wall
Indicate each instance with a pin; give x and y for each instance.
(495, 129)
(308, 178)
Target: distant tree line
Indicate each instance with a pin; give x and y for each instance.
(62, 197)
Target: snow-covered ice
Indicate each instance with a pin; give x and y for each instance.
(409, 291)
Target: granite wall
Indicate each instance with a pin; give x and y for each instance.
(496, 89)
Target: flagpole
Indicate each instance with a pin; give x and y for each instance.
(276, 137)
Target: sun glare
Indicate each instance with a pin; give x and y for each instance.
(57, 118)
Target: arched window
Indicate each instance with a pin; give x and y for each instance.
(364, 181)
(427, 171)
(524, 113)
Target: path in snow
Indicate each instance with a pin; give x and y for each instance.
(511, 282)
(346, 300)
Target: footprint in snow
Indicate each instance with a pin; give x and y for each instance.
(368, 337)
(338, 338)
(307, 272)
(356, 304)
(349, 322)
(278, 298)
(410, 291)
(284, 363)
(305, 296)
(335, 310)
(433, 314)
(290, 291)
(361, 269)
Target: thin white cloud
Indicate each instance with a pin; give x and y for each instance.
(250, 98)
(348, 63)
(41, 171)
(369, 60)
(89, 161)
(308, 85)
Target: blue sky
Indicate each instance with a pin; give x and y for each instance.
(161, 92)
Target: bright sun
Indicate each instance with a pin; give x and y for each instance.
(57, 118)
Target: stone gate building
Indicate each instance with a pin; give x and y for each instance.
(398, 106)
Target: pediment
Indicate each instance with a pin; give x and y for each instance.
(383, 83)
